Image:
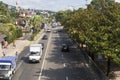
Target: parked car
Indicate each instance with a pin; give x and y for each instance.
(45, 37)
(65, 48)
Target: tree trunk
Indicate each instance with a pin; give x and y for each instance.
(108, 66)
(89, 53)
(92, 56)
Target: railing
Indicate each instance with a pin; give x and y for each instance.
(91, 63)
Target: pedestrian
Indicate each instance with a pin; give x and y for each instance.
(6, 44)
(3, 53)
(16, 54)
(14, 45)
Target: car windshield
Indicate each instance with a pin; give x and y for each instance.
(4, 67)
(64, 44)
(34, 53)
(45, 35)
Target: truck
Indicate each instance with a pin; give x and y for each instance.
(35, 52)
(7, 67)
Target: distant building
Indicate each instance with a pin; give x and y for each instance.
(28, 12)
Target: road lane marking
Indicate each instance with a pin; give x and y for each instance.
(19, 65)
(86, 65)
(66, 78)
(62, 57)
(64, 65)
(44, 59)
(27, 55)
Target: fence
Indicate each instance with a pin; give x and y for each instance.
(91, 63)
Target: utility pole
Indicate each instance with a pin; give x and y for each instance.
(17, 8)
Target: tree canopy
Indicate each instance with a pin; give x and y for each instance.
(7, 26)
(4, 14)
(98, 27)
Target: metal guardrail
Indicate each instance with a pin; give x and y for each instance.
(91, 63)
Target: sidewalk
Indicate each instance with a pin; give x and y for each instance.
(21, 43)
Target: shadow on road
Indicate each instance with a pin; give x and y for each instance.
(76, 66)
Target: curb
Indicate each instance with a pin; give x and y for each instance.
(37, 37)
(12, 51)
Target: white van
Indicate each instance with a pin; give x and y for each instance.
(35, 52)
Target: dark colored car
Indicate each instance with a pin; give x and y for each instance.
(65, 48)
(45, 37)
(59, 30)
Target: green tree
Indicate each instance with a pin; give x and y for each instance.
(11, 31)
(4, 14)
(36, 21)
(61, 16)
(97, 27)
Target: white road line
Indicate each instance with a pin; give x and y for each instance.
(62, 57)
(86, 65)
(27, 55)
(19, 65)
(66, 78)
(44, 59)
(64, 65)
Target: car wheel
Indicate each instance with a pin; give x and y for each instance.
(10, 77)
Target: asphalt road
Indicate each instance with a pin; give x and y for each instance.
(65, 65)
(55, 65)
(26, 70)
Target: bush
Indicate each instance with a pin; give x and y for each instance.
(13, 35)
(33, 36)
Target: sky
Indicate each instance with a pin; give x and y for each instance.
(117, 0)
(54, 5)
